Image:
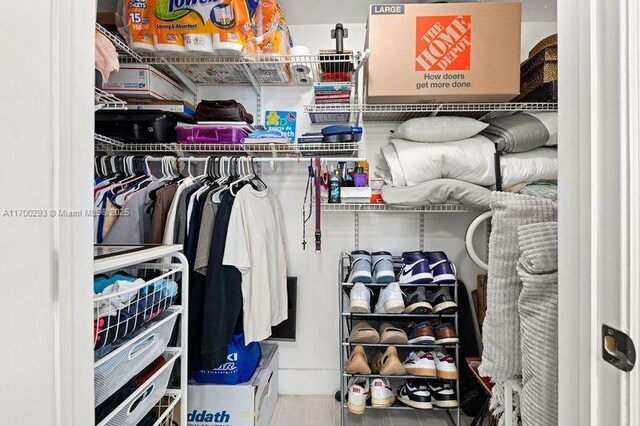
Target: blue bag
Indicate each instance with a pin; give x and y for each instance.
(242, 362)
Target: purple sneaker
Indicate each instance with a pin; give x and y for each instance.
(415, 269)
(441, 268)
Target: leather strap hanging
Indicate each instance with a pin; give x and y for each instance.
(318, 184)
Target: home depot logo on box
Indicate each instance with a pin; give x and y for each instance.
(443, 43)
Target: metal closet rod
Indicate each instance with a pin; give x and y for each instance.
(260, 159)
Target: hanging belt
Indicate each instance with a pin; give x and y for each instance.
(318, 182)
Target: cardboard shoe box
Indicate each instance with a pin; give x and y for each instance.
(246, 404)
(457, 52)
(143, 81)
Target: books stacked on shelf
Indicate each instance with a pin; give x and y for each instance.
(332, 93)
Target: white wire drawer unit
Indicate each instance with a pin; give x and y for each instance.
(140, 300)
(349, 319)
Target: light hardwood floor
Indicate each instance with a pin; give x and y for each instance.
(323, 410)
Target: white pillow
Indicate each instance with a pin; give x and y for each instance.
(439, 129)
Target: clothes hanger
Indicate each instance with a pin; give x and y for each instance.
(256, 177)
(222, 180)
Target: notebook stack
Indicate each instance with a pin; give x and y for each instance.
(332, 93)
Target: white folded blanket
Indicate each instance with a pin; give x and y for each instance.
(470, 160)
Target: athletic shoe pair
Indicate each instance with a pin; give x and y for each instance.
(416, 393)
(424, 333)
(425, 394)
(390, 300)
(426, 267)
(421, 301)
(374, 267)
(431, 364)
(380, 392)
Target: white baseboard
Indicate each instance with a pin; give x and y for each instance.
(308, 382)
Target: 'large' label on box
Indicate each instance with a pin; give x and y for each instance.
(443, 43)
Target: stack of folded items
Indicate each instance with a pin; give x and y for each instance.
(434, 160)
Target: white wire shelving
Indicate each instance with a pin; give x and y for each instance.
(255, 70)
(342, 113)
(107, 142)
(269, 150)
(386, 208)
(107, 101)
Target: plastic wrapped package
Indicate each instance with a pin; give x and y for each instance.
(203, 26)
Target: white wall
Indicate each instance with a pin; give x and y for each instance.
(310, 365)
(46, 118)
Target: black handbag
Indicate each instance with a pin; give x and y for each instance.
(222, 111)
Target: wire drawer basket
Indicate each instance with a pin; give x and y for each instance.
(143, 400)
(118, 367)
(128, 306)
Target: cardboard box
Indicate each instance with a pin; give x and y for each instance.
(143, 81)
(456, 52)
(245, 404)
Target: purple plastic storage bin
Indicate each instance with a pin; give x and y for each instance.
(207, 133)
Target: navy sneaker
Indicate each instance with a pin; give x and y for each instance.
(441, 268)
(415, 269)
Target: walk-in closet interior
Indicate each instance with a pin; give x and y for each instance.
(304, 213)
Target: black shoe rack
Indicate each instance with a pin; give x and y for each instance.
(348, 320)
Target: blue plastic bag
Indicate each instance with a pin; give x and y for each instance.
(242, 362)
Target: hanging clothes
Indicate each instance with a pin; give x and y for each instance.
(255, 245)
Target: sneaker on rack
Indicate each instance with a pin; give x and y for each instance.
(382, 267)
(420, 364)
(360, 267)
(360, 299)
(416, 302)
(421, 333)
(415, 269)
(382, 394)
(442, 394)
(445, 334)
(442, 301)
(415, 393)
(390, 300)
(445, 366)
(359, 392)
(441, 267)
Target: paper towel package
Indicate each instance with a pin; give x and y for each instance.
(456, 52)
(246, 404)
(144, 81)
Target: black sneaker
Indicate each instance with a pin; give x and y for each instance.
(416, 302)
(442, 301)
(415, 393)
(442, 394)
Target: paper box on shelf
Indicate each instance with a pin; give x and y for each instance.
(143, 81)
(246, 404)
(457, 52)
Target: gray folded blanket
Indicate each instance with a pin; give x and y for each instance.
(523, 131)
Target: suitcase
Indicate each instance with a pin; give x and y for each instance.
(138, 126)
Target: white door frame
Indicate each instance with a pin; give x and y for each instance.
(46, 116)
(599, 163)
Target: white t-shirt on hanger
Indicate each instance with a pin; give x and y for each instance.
(255, 245)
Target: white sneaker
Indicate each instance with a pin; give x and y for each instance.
(445, 366)
(390, 300)
(382, 394)
(360, 299)
(359, 392)
(420, 364)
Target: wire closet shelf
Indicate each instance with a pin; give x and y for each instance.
(273, 151)
(343, 113)
(251, 69)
